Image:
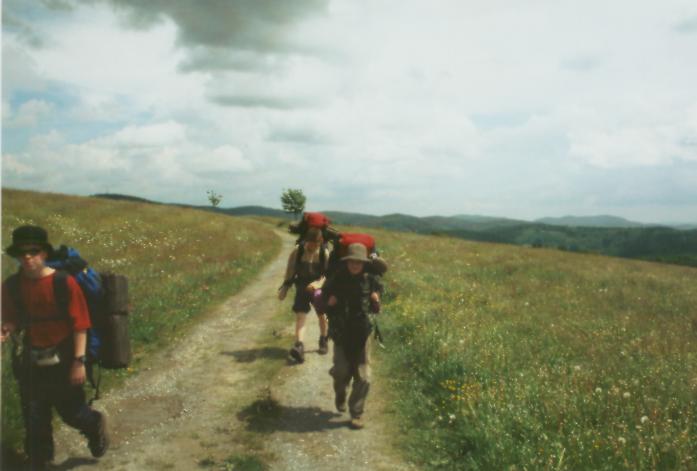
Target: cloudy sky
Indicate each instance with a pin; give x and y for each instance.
(524, 108)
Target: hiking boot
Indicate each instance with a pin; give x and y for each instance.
(98, 441)
(323, 344)
(298, 352)
(356, 423)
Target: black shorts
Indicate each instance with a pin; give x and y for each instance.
(301, 303)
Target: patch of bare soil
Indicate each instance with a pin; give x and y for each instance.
(199, 403)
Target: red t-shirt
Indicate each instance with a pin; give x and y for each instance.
(40, 302)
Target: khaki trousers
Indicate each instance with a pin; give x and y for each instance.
(347, 367)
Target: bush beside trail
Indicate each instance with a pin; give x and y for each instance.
(510, 358)
(180, 262)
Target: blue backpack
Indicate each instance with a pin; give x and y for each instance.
(67, 259)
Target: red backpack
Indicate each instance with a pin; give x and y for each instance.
(317, 220)
(348, 238)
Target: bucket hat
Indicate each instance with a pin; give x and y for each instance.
(28, 235)
(357, 252)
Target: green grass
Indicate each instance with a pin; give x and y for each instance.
(179, 262)
(510, 358)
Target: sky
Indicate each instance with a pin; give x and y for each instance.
(522, 109)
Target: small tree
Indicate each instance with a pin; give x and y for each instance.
(293, 201)
(214, 198)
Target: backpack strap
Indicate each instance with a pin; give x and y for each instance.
(323, 258)
(62, 293)
(298, 258)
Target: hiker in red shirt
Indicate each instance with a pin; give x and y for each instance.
(51, 368)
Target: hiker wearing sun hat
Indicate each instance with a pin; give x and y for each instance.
(352, 294)
(29, 235)
(51, 368)
(307, 266)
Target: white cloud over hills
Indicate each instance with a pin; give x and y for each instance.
(524, 110)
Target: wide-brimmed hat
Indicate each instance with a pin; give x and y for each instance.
(28, 235)
(313, 234)
(357, 252)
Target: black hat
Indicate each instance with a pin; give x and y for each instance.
(25, 235)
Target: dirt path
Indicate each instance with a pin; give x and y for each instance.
(203, 401)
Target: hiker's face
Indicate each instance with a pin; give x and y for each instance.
(355, 267)
(31, 257)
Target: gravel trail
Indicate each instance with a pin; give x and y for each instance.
(184, 410)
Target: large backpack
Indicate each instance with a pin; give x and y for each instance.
(106, 294)
(316, 220)
(341, 245)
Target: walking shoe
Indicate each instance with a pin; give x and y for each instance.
(356, 423)
(340, 402)
(98, 441)
(297, 352)
(323, 344)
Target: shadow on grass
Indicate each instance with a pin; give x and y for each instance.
(248, 356)
(266, 415)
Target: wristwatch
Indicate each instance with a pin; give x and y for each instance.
(81, 359)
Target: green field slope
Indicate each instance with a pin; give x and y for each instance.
(180, 262)
(503, 357)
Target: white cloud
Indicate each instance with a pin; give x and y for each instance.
(29, 113)
(454, 106)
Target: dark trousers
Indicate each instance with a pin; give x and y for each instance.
(352, 363)
(41, 389)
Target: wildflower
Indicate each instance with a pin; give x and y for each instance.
(626, 395)
(598, 390)
(644, 419)
(622, 440)
(577, 368)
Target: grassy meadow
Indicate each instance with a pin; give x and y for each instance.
(179, 262)
(502, 357)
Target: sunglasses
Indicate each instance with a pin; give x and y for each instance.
(32, 251)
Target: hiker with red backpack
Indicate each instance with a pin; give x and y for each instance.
(306, 270)
(51, 367)
(352, 295)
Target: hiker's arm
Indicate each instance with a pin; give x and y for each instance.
(77, 370)
(290, 267)
(8, 315)
(6, 329)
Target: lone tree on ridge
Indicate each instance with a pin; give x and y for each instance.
(293, 201)
(214, 198)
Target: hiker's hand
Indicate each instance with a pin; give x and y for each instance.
(77, 374)
(310, 289)
(5, 331)
(282, 291)
(331, 301)
(374, 296)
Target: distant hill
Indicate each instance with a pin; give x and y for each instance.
(256, 211)
(592, 221)
(120, 197)
(608, 235)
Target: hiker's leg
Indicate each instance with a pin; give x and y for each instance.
(323, 324)
(301, 306)
(36, 412)
(300, 318)
(361, 381)
(73, 409)
(341, 373)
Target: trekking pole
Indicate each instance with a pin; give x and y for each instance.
(378, 335)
